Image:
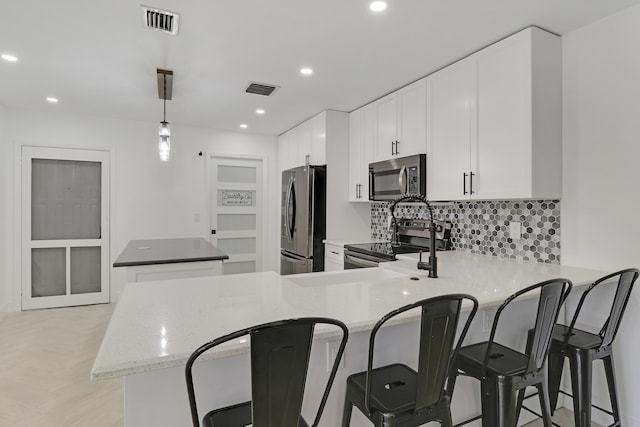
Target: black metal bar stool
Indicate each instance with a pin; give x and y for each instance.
(396, 395)
(582, 348)
(504, 372)
(280, 354)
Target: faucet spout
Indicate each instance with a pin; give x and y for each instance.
(432, 266)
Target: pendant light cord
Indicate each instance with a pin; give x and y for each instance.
(164, 114)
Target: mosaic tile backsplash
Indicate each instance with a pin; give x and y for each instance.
(483, 226)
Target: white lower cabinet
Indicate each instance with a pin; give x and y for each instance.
(494, 126)
(333, 257)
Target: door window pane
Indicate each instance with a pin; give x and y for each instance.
(237, 174)
(85, 270)
(238, 246)
(239, 267)
(65, 199)
(236, 222)
(48, 272)
(236, 198)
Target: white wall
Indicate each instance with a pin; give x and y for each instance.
(601, 202)
(5, 210)
(149, 198)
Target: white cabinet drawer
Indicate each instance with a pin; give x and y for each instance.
(333, 254)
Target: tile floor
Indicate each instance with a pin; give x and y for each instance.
(45, 361)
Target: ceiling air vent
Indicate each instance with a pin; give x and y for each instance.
(160, 20)
(260, 88)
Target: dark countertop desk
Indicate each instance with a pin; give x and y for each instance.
(168, 251)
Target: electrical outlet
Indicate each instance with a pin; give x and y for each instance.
(515, 230)
(487, 319)
(332, 352)
(389, 219)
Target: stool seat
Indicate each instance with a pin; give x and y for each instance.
(578, 339)
(235, 416)
(397, 395)
(582, 348)
(393, 388)
(505, 373)
(503, 361)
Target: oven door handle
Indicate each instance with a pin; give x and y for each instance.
(360, 260)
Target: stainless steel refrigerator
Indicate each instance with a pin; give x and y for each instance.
(303, 221)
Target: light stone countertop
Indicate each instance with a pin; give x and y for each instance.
(158, 325)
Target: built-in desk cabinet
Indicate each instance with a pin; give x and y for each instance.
(494, 126)
(305, 143)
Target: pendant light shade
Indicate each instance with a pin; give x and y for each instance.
(165, 78)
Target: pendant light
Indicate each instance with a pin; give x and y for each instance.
(165, 80)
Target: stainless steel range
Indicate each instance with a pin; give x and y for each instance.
(412, 236)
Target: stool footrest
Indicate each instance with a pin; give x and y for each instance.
(468, 421)
(594, 406)
(535, 413)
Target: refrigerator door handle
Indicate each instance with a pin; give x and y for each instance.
(294, 202)
(286, 208)
(292, 258)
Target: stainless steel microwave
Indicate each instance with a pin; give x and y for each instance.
(398, 177)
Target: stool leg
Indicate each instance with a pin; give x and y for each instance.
(555, 364)
(543, 394)
(521, 394)
(346, 413)
(446, 417)
(498, 404)
(611, 381)
(581, 383)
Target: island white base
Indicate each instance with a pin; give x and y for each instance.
(178, 270)
(159, 398)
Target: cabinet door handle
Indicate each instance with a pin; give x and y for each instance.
(393, 150)
(335, 253)
(464, 183)
(471, 182)
(359, 191)
(397, 151)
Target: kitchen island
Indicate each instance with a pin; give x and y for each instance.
(162, 259)
(151, 334)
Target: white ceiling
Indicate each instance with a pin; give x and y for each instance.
(96, 57)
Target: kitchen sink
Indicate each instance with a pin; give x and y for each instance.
(346, 276)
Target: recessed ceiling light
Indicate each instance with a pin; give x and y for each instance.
(9, 58)
(52, 100)
(259, 111)
(244, 125)
(378, 6)
(306, 71)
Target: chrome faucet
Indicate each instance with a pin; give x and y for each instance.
(432, 265)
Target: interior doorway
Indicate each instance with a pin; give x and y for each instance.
(237, 206)
(65, 227)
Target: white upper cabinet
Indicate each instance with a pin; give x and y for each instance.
(400, 123)
(318, 152)
(450, 124)
(305, 143)
(412, 119)
(361, 136)
(494, 122)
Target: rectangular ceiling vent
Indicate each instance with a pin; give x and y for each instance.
(160, 20)
(261, 88)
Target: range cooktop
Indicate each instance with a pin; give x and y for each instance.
(385, 250)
